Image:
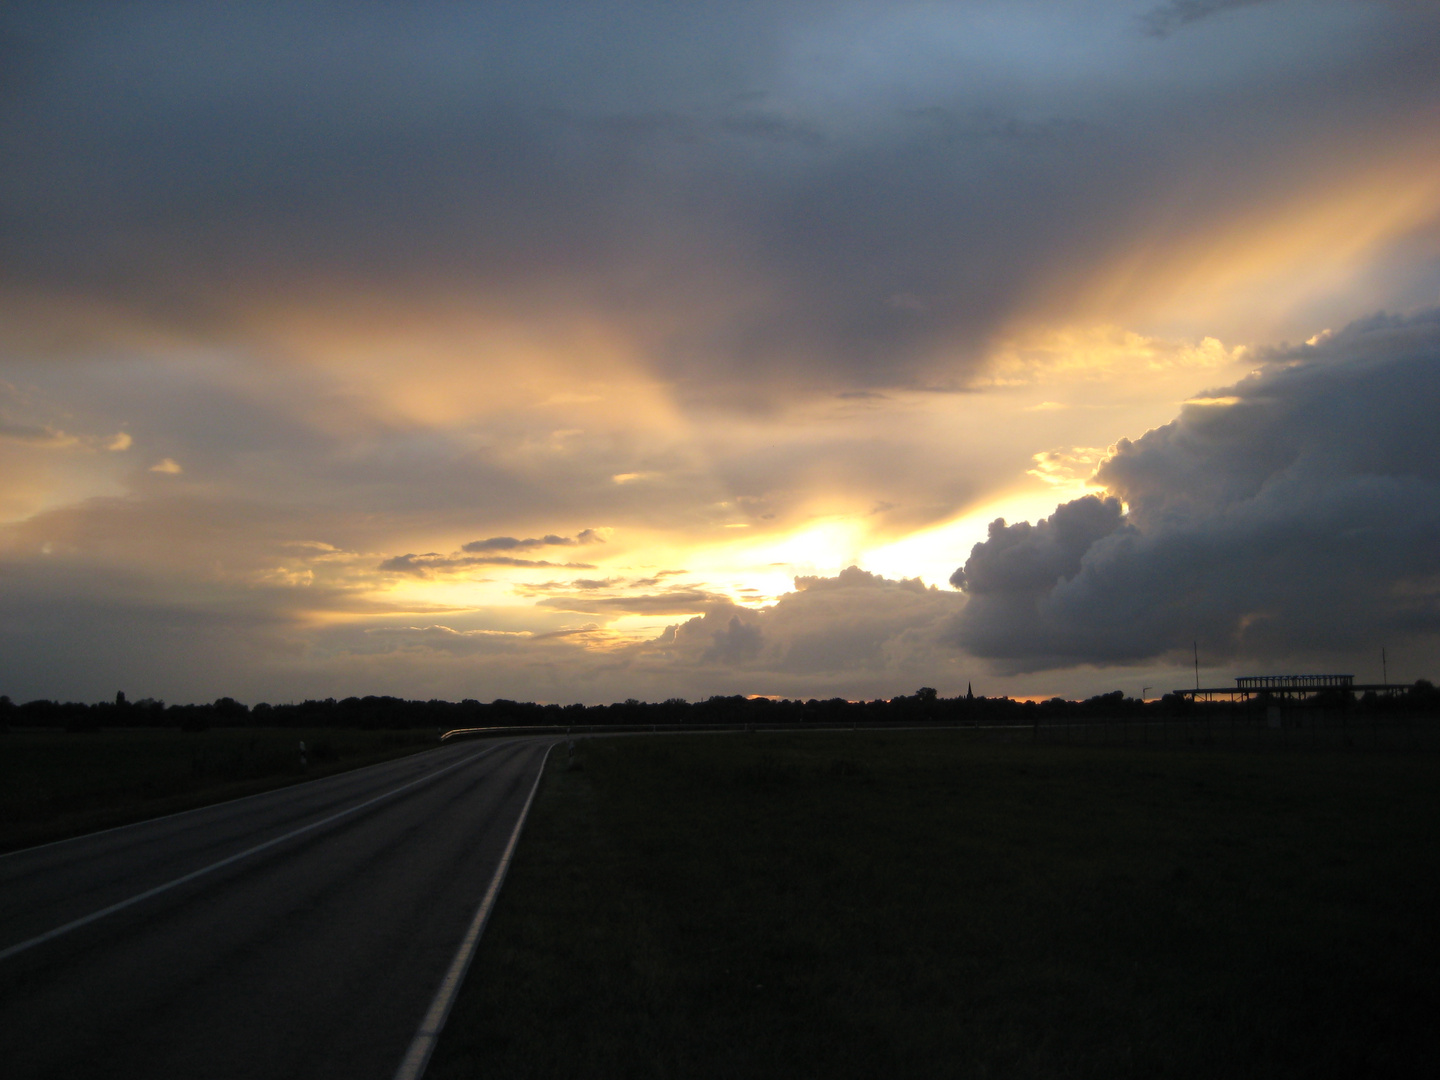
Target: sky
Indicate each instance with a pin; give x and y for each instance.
(568, 351)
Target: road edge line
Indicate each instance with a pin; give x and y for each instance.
(96, 916)
(210, 806)
(417, 1057)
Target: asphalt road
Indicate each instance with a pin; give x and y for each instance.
(316, 956)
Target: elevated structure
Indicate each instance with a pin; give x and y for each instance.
(1287, 687)
(1275, 683)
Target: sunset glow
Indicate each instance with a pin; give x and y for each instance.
(554, 355)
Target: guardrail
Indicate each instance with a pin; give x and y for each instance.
(1298, 728)
(635, 729)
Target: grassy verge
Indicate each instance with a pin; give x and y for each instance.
(930, 905)
(56, 784)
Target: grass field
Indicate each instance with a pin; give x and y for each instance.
(927, 904)
(55, 784)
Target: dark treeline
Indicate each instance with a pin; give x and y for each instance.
(924, 706)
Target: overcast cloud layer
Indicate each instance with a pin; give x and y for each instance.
(577, 350)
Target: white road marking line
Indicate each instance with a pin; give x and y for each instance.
(423, 1045)
(94, 916)
(298, 786)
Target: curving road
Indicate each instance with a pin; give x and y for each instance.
(303, 932)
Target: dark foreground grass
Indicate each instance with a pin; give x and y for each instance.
(55, 784)
(888, 904)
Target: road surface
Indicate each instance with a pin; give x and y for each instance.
(299, 933)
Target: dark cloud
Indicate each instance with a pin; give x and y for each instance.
(432, 563)
(655, 579)
(560, 588)
(482, 553)
(1167, 18)
(33, 434)
(1025, 559)
(676, 602)
(509, 543)
(1295, 515)
(734, 643)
